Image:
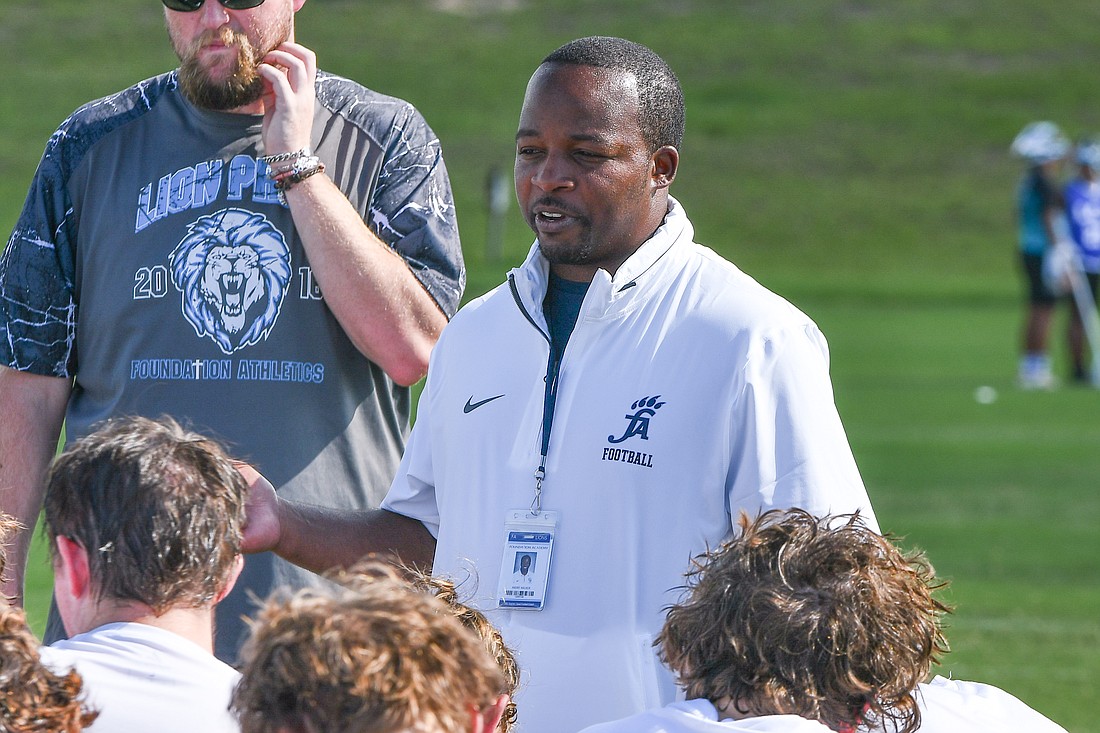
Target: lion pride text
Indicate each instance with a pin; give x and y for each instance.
(200, 185)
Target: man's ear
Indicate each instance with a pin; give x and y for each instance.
(231, 578)
(487, 719)
(73, 567)
(665, 163)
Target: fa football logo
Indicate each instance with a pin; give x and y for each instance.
(233, 268)
(644, 409)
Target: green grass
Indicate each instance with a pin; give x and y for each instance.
(1002, 496)
(850, 155)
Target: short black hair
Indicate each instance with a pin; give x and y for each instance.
(660, 97)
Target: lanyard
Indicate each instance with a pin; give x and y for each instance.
(549, 403)
(562, 306)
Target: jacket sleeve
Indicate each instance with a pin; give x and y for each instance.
(412, 493)
(789, 446)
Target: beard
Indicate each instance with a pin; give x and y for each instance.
(579, 251)
(243, 85)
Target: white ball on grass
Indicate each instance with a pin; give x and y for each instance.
(985, 395)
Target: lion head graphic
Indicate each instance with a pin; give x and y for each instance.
(232, 269)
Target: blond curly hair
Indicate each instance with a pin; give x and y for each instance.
(447, 591)
(818, 617)
(34, 699)
(371, 655)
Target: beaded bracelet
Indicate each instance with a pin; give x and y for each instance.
(302, 169)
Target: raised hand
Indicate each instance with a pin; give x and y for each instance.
(289, 73)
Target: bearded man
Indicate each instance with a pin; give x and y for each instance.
(198, 246)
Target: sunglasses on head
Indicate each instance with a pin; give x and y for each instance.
(187, 6)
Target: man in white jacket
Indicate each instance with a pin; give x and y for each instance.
(136, 589)
(609, 409)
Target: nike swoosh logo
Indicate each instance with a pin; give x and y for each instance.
(471, 405)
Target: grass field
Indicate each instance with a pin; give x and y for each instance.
(850, 155)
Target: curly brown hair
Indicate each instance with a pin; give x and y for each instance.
(370, 656)
(447, 591)
(159, 510)
(32, 698)
(818, 617)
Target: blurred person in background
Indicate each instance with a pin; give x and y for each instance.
(1041, 224)
(1082, 199)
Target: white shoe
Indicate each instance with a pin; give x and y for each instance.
(1040, 379)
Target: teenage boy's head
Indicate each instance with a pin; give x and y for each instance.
(374, 656)
(447, 592)
(817, 617)
(143, 512)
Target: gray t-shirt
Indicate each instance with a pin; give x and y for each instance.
(154, 264)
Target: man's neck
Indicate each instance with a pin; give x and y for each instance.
(256, 108)
(253, 108)
(573, 273)
(193, 624)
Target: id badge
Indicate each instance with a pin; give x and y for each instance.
(525, 567)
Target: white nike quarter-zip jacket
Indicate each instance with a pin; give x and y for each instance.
(687, 394)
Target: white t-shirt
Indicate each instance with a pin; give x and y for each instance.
(700, 716)
(141, 678)
(955, 706)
